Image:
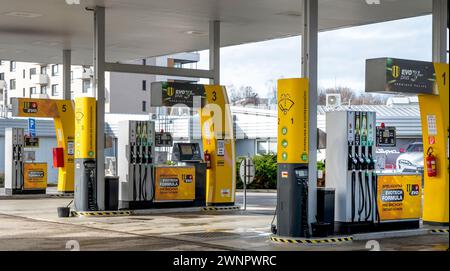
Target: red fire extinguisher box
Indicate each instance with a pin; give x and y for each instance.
(58, 157)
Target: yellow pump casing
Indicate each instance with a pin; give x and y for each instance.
(434, 111)
(85, 123)
(293, 116)
(218, 135)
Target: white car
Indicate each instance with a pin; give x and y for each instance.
(412, 159)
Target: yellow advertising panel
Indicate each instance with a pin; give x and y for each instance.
(85, 128)
(35, 176)
(174, 183)
(62, 112)
(399, 197)
(434, 111)
(293, 117)
(218, 140)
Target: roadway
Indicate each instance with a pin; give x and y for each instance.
(32, 224)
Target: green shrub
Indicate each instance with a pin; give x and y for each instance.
(265, 172)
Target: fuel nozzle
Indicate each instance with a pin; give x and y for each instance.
(363, 159)
(371, 159)
(352, 160)
(133, 154)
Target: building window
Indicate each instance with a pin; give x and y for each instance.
(264, 147)
(144, 85)
(23, 73)
(32, 72)
(33, 90)
(144, 62)
(44, 70)
(144, 106)
(12, 66)
(55, 90)
(12, 84)
(2, 76)
(86, 86)
(43, 90)
(55, 70)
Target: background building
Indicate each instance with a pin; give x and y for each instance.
(125, 93)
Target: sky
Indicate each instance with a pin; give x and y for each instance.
(342, 55)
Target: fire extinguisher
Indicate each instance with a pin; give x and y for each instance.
(208, 160)
(431, 163)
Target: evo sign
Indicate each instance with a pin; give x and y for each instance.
(392, 75)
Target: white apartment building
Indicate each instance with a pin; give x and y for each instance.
(125, 93)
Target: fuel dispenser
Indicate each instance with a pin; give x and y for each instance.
(14, 146)
(62, 111)
(350, 168)
(22, 176)
(428, 80)
(135, 164)
(293, 144)
(217, 133)
(85, 155)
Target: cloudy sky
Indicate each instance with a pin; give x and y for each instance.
(342, 54)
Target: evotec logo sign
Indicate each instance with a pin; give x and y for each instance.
(392, 195)
(30, 107)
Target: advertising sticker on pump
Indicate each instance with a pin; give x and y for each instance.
(399, 197)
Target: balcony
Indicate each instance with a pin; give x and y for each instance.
(40, 79)
(39, 96)
(2, 84)
(87, 74)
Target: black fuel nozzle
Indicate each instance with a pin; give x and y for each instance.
(133, 154)
(364, 161)
(351, 160)
(371, 159)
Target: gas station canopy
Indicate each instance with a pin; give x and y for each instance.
(38, 31)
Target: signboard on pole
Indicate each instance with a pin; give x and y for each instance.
(391, 75)
(247, 171)
(32, 127)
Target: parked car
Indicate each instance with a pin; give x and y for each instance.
(411, 159)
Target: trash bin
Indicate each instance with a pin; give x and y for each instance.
(111, 193)
(325, 208)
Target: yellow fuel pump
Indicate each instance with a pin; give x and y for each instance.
(63, 114)
(217, 133)
(430, 82)
(434, 112)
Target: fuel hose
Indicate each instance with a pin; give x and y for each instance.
(369, 214)
(362, 196)
(353, 195)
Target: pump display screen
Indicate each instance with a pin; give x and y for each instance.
(386, 137)
(186, 149)
(302, 173)
(186, 152)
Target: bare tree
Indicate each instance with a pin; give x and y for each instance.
(349, 96)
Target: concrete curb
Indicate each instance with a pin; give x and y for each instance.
(390, 234)
(167, 211)
(46, 196)
(257, 190)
